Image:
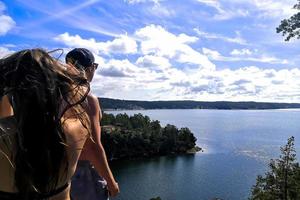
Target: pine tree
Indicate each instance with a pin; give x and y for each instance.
(282, 181)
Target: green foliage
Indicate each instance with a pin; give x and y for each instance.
(282, 181)
(139, 121)
(123, 120)
(138, 136)
(108, 119)
(156, 198)
(291, 27)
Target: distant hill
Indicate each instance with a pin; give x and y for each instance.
(114, 104)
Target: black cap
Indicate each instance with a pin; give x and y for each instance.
(80, 57)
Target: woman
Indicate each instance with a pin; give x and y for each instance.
(42, 137)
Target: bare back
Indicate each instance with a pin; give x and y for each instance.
(75, 134)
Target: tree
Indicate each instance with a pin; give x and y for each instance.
(157, 198)
(169, 136)
(291, 27)
(187, 139)
(282, 181)
(139, 121)
(107, 119)
(138, 136)
(123, 120)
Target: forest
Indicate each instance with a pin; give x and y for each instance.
(137, 136)
(117, 104)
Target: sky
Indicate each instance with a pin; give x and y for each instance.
(204, 50)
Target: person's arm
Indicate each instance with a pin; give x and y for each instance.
(94, 151)
(5, 107)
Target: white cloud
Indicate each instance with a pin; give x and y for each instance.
(118, 68)
(244, 84)
(9, 45)
(156, 7)
(241, 52)
(6, 22)
(274, 8)
(141, 1)
(223, 13)
(228, 9)
(156, 70)
(125, 80)
(238, 39)
(183, 38)
(120, 45)
(155, 40)
(213, 3)
(161, 11)
(4, 51)
(77, 41)
(261, 86)
(132, 75)
(269, 59)
(215, 55)
(153, 62)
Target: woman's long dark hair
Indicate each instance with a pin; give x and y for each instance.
(38, 86)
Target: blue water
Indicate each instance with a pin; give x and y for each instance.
(237, 147)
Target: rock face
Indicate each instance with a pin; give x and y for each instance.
(87, 184)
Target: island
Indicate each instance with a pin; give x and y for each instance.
(130, 137)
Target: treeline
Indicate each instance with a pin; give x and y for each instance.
(115, 104)
(134, 136)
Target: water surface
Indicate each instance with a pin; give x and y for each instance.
(237, 147)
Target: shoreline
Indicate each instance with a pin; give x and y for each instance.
(192, 151)
(259, 109)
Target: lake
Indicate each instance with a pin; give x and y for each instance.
(238, 145)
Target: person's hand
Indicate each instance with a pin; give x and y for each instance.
(113, 189)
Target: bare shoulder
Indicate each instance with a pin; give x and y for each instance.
(74, 129)
(93, 105)
(93, 101)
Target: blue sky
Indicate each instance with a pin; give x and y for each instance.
(208, 50)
